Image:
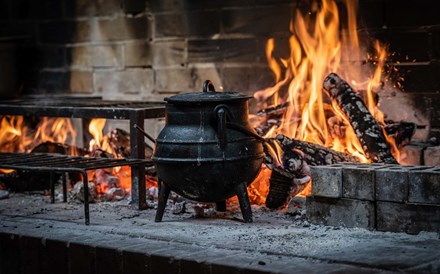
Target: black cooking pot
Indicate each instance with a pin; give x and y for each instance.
(207, 151)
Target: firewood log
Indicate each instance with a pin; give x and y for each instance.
(367, 129)
(292, 174)
(401, 132)
(287, 181)
(270, 117)
(315, 154)
(119, 141)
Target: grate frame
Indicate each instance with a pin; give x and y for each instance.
(58, 163)
(94, 107)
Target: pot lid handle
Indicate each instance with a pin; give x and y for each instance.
(208, 86)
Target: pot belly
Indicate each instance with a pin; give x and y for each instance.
(208, 181)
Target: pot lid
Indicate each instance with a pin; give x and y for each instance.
(207, 95)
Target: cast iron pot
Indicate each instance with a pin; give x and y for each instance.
(207, 151)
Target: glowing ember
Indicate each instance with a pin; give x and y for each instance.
(318, 47)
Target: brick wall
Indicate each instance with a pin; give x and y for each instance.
(149, 49)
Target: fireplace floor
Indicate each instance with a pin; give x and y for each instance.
(35, 234)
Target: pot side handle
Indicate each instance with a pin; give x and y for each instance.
(208, 86)
(223, 114)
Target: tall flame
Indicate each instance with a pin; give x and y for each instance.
(318, 46)
(15, 136)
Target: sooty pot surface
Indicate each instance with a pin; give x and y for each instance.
(207, 151)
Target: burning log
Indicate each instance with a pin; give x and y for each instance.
(315, 154)
(402, 132)
(288, 179)
(367, 129)
(283, 187)
(293, 174)
(270, 117)
(119, 141)
(51, 147)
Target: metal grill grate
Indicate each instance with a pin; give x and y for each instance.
(84, 107)
(57, 163)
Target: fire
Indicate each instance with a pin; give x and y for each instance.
(318, 47)
(101, 142)
(17, 136)
(13, 137)
(316, 50)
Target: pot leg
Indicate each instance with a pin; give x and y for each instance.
(164, 192)
(220, 206)
(245, 205)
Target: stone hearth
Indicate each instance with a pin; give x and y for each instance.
(37, 235)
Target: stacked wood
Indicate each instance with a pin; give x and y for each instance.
(366, 128)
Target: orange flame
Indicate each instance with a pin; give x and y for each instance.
(316, 50)
(12, 137)
(15, 136)
(318, 46)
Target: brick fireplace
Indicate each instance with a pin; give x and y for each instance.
(148, 50)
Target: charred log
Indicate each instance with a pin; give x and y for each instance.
(292, 174)
(288, 178)
(274, 112)
(401, 132)
(270, 117)
(51, 147)
(315, 154)
(119, 141)
(283, 187)
(367, 129)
